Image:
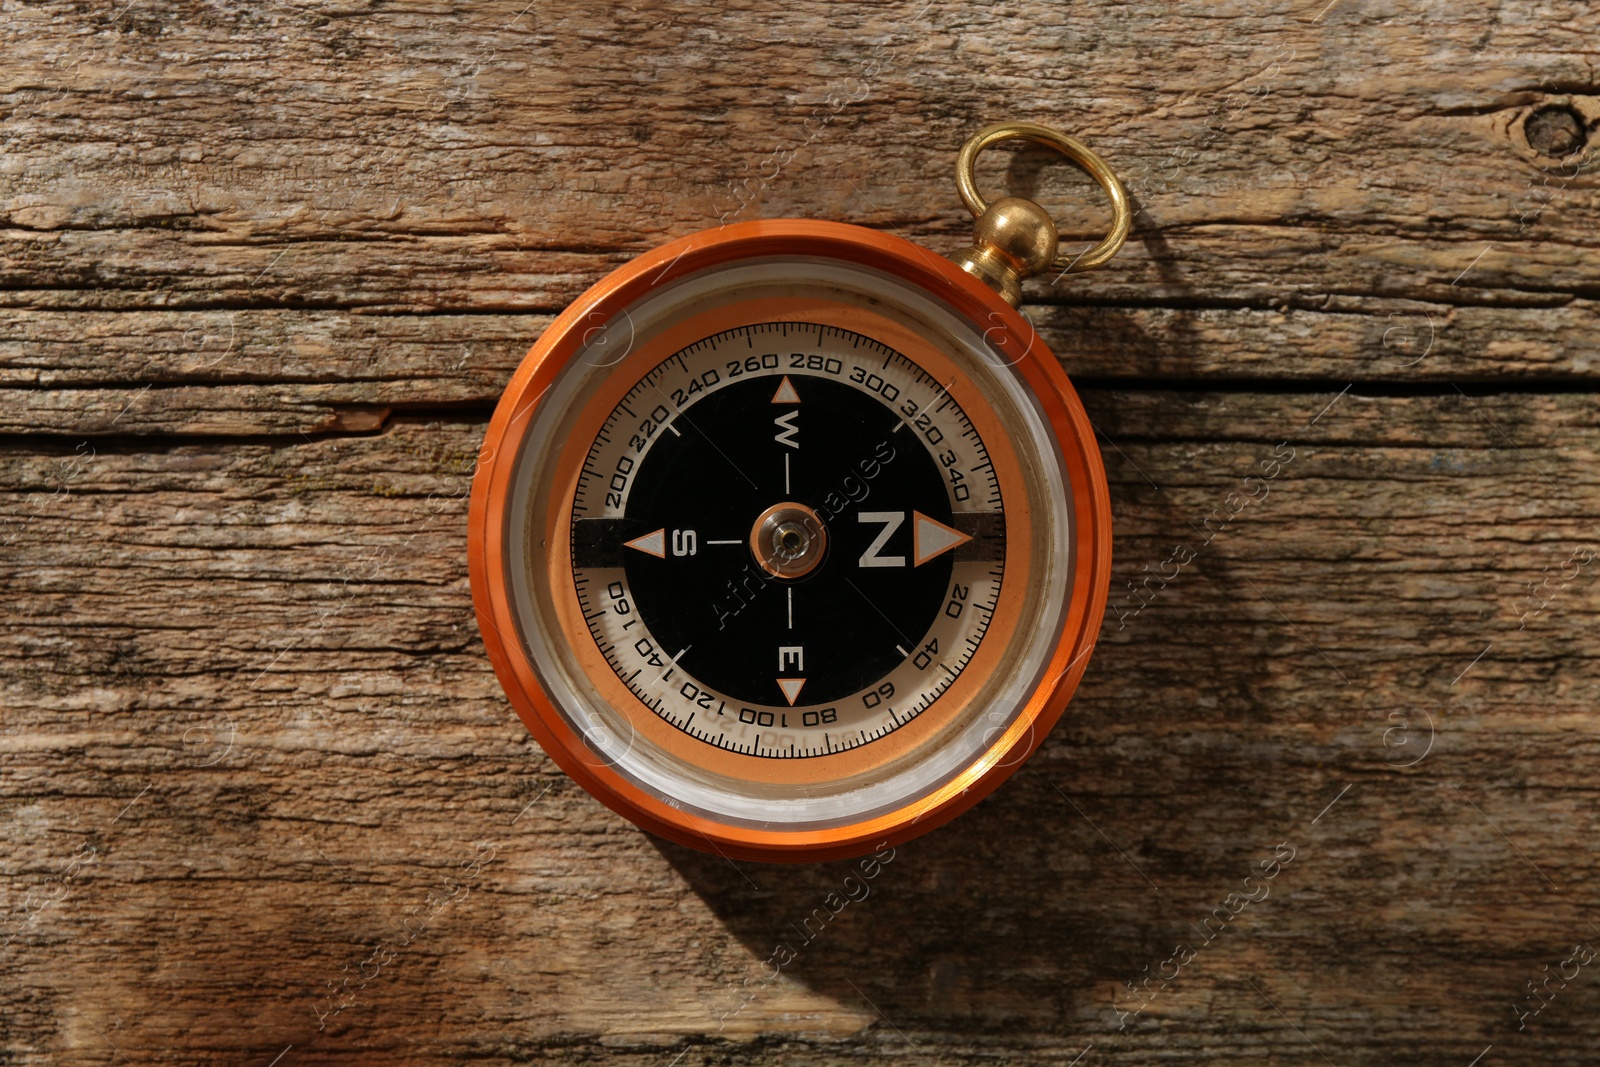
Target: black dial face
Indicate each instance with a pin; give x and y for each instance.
(788, 526)
(854, 485)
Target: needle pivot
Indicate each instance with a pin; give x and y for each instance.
(788, 540)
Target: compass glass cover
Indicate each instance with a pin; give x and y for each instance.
(789, 544)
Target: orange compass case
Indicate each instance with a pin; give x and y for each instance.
(1002, 326)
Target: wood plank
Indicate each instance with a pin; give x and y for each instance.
(459, 156)
(275, 372)
(276, 640)
(1287, 263)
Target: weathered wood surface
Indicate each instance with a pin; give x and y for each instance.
(264, 268)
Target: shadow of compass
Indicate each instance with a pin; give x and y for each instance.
(1029, 912)
(1018, 914)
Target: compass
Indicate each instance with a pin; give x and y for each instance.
(790, 539)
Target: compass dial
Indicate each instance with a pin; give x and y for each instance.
(808, 538)
(788, 540)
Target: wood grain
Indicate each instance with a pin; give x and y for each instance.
(264, 269)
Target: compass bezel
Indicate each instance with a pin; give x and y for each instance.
(1001, 326)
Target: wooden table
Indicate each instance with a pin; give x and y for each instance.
(266, 267)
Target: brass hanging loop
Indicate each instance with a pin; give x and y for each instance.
(1015, 238)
